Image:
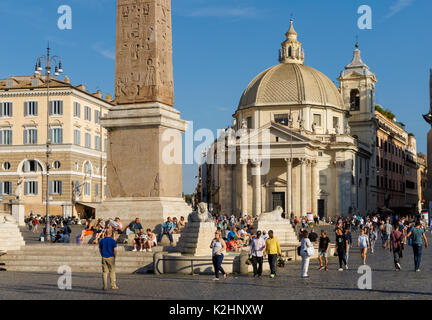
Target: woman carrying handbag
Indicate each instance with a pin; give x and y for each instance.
(306, 250)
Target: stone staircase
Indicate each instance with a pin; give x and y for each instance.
(282, 230)
(10, 237)
(49, 257)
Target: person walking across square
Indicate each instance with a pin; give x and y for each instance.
(418, 237)
(273, 250)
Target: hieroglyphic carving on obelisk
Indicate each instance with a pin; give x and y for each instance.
(144, 70)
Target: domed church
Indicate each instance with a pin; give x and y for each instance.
(300, 142)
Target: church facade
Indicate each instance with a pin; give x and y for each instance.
(299, 142)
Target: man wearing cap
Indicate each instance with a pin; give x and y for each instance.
(257, 252)
(273, 250)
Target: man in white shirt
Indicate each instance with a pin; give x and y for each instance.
(257, 252)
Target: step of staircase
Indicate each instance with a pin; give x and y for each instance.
(86, 258)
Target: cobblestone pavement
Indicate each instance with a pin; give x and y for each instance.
(386, 283)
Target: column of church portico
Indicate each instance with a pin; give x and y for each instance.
(303, 195)
(314, 187)
(289, 204)
(244, 185)
(256, 174)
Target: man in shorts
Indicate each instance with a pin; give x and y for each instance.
(324, 244)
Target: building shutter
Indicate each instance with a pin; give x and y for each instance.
(35, 138)
(26, 105)
(35, 108)
(26, 188)
(51, 187)
(2, 187)
(10, 188)
(36, 191)
(51, 103)
(60, 185)
(1, 109)
(25, 136)
(11, 109)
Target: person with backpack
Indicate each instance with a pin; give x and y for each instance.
(306, 251)
(417, 236)
(396, 240)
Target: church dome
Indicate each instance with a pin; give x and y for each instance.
(291, 82)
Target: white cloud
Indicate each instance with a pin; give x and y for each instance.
(107, 53)
(398, 6)
(223, 12)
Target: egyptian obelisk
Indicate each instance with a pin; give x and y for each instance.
(143, 179)
(428, 119)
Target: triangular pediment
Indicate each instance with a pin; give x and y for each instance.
(276, 130)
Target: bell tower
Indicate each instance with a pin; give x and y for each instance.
(357, 86)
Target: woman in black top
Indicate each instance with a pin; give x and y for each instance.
(341, 245)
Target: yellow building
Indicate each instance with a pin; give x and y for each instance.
(78, 146)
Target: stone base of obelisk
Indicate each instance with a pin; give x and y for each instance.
(151, 211)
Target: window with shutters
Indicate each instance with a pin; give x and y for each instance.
(55, 187)
(87, 189)
(56, 135)
(97, 189)
(30, 166)
(77, 110)
(5, 187)
(30, 188)
(88, 140)
(77, 137)
(97, 116)
(30, 136)
(30, 109)
(87, 113)
(97, 142)
(6, 109)
(87, 168)
(56, 108)
(6, 136)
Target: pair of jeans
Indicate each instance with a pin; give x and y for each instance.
(347, 256)
(417, 249)
(342, 257)
(397, 255)
(257, 264)
(217, 264)
(108, 266)
(169, 235)
(272, 258)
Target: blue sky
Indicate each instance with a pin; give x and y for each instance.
(221, 45)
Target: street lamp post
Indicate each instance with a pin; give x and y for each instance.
(48, 60)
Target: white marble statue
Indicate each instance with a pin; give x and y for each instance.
(202, 215)
(274, 215)
(18, 190)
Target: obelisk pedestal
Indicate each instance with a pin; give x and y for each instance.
(144, 130)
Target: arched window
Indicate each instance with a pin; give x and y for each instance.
(355, 100)
(289, 52)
